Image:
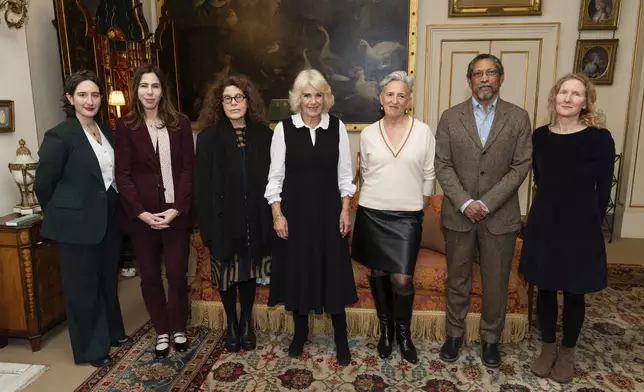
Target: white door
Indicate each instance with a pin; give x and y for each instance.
(529, 59)
(521, 62)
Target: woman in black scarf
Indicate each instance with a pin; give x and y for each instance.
(231, 168)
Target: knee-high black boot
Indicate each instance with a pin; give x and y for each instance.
(246, 301)
(343, 354)
(229, 299)
(301, 322)
(382, 296)
(403, 306)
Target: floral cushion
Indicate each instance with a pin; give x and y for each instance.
(431, 273)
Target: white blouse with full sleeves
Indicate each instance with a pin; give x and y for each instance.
(396, 179)
(278, 156)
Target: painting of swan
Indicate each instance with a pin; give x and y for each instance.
(354, 43)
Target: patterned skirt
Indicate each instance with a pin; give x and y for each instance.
(225, 273)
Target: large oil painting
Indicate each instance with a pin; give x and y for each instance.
(354, 43)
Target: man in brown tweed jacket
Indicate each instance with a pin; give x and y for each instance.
(483, 154)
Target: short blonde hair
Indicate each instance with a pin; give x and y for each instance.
(315, 79)
(590, 116)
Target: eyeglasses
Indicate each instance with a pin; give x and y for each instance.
(229, 99)
(490, 73)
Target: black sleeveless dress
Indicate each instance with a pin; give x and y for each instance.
(311, 270)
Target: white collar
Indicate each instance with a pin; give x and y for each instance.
(299, 123)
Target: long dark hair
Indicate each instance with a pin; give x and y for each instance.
(212, 110)
(72, 82)
(168, 115)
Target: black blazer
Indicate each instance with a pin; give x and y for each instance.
(220, 198)
(70, 187)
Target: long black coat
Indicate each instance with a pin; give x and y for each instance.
(219, 193)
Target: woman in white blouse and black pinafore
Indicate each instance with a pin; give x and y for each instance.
(397, 171)
(309, 186)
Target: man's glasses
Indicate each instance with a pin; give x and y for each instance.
(490, 73)
(229, 99)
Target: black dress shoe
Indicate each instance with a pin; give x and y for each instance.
(232, 337)
(180, 342)
(162, 347)
(451, 349)
(121, 342)
(247, 333)
(100, 363)
(490, 355)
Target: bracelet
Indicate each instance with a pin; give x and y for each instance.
(277, 217)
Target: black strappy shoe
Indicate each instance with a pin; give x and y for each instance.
(162, 348)
(180, 341)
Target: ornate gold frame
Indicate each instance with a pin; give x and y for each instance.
(610, 45)
(493, 8)
(586, 23)
(412, 40)
(12, 117)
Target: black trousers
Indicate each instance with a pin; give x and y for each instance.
(90, 280)
(574, 311)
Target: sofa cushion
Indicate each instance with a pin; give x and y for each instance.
(433, 238)
(431, 273)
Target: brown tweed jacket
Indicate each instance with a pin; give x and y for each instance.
(492, 173)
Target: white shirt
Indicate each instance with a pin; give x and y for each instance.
(105, 155)
(278, 157)
(396, 179)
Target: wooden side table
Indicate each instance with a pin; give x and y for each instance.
(31, 293)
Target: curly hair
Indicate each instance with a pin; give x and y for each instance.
(72, 82)
(589, 115)
(212, 109)
(168, 115)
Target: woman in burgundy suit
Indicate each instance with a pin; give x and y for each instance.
(154, 164)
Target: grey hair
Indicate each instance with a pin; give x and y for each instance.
(398, 76)
(483, 56)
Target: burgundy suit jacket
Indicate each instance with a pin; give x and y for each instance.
(138, 174)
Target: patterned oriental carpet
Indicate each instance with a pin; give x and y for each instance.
(610, 357)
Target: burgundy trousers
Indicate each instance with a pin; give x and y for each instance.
(151, 248)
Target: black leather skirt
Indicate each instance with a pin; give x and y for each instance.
(387, 240)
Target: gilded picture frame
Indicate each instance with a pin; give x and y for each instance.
(7, 117)
(596, 59)
(599, 14)
(465, 8)
(354, 44)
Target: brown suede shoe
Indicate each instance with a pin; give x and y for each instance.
(564, 368)
(542, 366)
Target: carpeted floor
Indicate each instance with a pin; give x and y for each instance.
(610, 357)
(136, 370)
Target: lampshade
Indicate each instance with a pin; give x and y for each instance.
(116, 98)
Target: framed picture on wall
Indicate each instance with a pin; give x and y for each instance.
(355, 44)
(7, 117)
(599, 14)
(596, 59)
(494, 7)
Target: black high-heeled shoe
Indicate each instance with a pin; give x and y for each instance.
(180, 342)
(162, 348)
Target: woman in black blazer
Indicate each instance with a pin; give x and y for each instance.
(231, 170)
(75, 186)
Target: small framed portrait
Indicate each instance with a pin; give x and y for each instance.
(596, 58)
(7, 117)
(599, 14)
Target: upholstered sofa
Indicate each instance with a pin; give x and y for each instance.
(428, 321)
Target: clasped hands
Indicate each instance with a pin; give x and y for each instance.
(475, 212)
(280, 225)
(160, 220)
